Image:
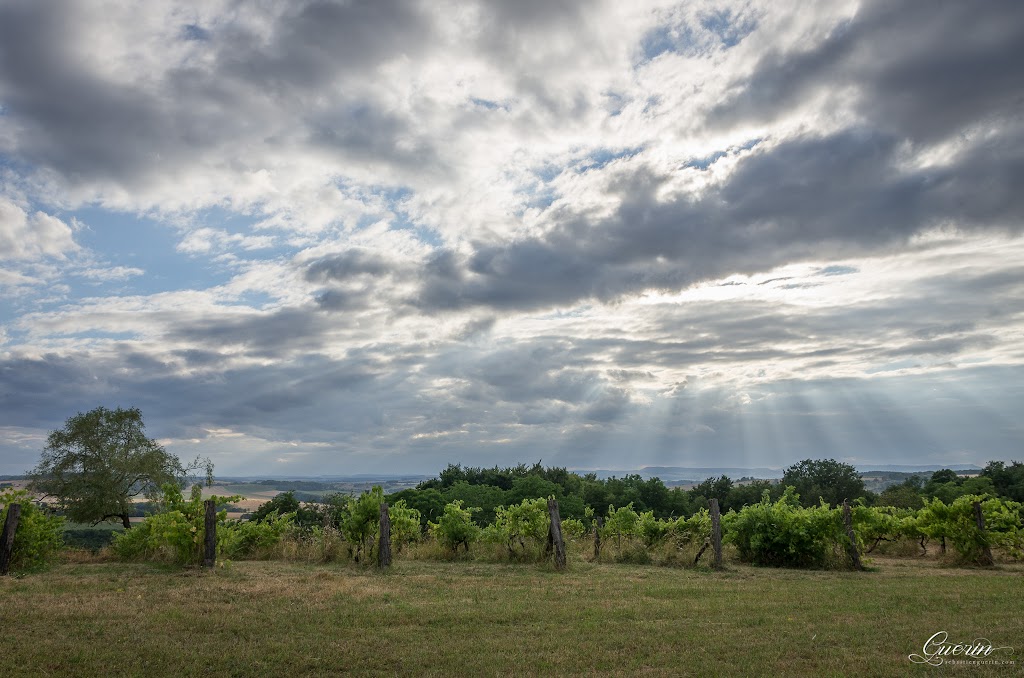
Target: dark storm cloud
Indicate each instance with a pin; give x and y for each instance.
(72, 120)
(87, 127)
(45, 391)
(265, 334)
(315, 41)
(348, 264)
(807, 197)
(923, 68)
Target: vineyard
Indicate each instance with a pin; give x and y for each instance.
(302, 591)
(972, 530)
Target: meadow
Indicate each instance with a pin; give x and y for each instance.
(90, 617)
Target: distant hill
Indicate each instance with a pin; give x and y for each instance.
(677, 474)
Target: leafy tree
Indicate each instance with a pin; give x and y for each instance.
(826, 479)
(286, 502)
(429, 502)
(713, 488)
(905, 495)
(532, 487)
(945, 475)
(1007, 480)
(484, 497)
(100, 461)
(750, 492)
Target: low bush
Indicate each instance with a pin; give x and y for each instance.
(39, 536)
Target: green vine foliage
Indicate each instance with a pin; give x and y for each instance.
(875, 524)
(251, 538)
(39, 536)
(360, 523)
(784, 534)
(573, 528)
(405, 524)
(956, 522)
(455, 527)
(175, 534)
(522, 528)
(693, 530)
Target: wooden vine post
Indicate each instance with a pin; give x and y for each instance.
(555, 541)
(852, 546)
(986, 552)
(7, 537)
(716, 533)
(210, 545)
(598, 524)
(384, 546)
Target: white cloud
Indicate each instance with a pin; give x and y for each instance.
(32, 236)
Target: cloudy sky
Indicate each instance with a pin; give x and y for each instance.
(342, 237)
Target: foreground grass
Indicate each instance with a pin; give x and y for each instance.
(428, 618)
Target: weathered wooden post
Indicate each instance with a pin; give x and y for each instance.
(210, 542)
(384, 546)
(7, 537)
(852, 547)
(598, 524)
(555, 541)
(716, 533)
(979, 519)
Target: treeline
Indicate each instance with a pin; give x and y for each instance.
(812, 480)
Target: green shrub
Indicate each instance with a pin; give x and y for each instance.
(783, 534)
(405, 525)
(39, 536)
(360, 523)
(247, 539)
(522, 528)
(455, 527)
(573, 528)
(957, 523)
(176, 534)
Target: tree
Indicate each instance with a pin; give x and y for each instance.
(905, 495)
(100, 461)
(285, 502)
(827, 479)
(1008, 480)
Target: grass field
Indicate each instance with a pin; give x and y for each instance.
(273, 618)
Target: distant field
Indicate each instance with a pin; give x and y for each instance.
(466, 618)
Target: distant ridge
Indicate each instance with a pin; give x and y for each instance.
(697, 474)
(913, 469)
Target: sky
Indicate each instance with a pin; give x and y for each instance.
(322, 238)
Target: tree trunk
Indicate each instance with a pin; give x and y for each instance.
(384, 550)
(851, 548)
(126, 521)
(716, 533)
(986, 552)
(210, 533)
(555, 541)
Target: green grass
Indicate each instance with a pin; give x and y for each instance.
(274, 618)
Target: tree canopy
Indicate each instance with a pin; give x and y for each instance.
(827, 479)
(100, 461)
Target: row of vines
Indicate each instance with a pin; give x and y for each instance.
(775, 533)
